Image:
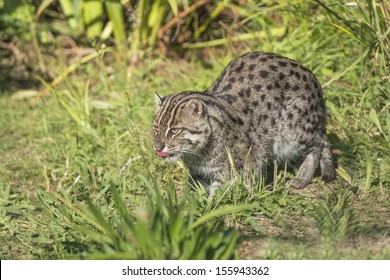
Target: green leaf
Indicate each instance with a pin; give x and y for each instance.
(344, 174)
(116, 15)
(373, 117)
(69, 11)
(93, 17)
(174, 7)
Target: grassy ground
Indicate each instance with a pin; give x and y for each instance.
(79, 179)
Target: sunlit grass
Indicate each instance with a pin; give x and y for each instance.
(79, 178)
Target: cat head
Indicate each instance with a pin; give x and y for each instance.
(180, 125)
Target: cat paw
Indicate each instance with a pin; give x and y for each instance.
(328, 175)
(298, 183)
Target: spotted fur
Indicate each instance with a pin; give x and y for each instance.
(263, 106)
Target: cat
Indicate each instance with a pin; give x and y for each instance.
(263, 106)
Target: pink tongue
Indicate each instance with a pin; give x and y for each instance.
(162, 154)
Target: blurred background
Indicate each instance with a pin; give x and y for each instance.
(36, 33)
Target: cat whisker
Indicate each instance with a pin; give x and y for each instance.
(191, 153)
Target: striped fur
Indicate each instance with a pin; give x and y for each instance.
(263, 106)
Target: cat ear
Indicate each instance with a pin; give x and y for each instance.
(159, 99)
(196, 108)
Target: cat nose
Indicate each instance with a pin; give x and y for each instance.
(159, 146)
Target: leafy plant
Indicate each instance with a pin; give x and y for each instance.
(162, 230)
(88, 16)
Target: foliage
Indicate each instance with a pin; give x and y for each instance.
(163, 230)
(16, 18)
(89, 15)
(368, 23)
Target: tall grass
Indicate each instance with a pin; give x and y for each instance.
(368, 23)
(165, 229)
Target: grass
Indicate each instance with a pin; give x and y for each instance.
(79, 179)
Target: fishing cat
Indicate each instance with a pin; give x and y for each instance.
(263, 106)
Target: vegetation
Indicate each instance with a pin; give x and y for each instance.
(78, 176)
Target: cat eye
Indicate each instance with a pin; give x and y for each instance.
(173, 131)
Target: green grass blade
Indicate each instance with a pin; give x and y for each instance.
(69, 12)
(116, 15)
(174, 7)
(369, 169)
(93, 17)
(222, 211)
(373, 117)
(100, 220)
(275, 32)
